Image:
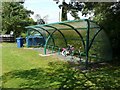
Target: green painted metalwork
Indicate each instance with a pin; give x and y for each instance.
(76, 32)
(59, 32)
(69, 21)
(64, 28)
(87, 42)
(94, 38)
(45, 46)
(33, 29)
(48, 33)
(75, 25)
(45, 49)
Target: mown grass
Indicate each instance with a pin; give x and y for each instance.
(14, 58)
(23, 68)
(19, 59)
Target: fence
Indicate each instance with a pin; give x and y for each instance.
(6, 38)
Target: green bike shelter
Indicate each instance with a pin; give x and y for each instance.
(86, 36)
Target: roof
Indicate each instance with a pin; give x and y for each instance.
(67, 25)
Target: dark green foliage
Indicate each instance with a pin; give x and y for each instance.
(64, 13)
(101, 48)
(108, 16)
(73, 8)
(15, 17)
(30, 71)
(66, 76)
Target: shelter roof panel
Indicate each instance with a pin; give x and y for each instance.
(66, 25)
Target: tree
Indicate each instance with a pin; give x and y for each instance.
(41, 20)
(72, 7)
(108, 16)
(15, 17)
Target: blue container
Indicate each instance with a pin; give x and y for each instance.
(19, 42)
(29, 41)
(39, 40)
(35, 41)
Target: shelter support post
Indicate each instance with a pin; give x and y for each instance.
(59, 51)
(87, 43)
(44, 50)
(45, 46)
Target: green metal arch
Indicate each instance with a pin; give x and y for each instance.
(98, 31)
(48, 40)
(76, 32)
(48, 33)
(87, 43)
(35, 30)
(51, 35)
(59, 32)
(94, 38)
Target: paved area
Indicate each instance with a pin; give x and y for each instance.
(49, 53)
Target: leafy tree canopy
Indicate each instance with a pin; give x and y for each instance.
(72, 8)
(107, 15)
(15, 17)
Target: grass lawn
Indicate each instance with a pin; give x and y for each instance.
(24, 68)
(14, 58)
(19, 59)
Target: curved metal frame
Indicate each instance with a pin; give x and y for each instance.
(86, 45)
(76, 32)
(59, 32)
(51, 35)
(89, 44)
(35, 30)
(48, 33)
(94, 38)
(45, 46)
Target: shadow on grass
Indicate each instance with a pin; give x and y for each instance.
(65, 77)
(34, 78)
